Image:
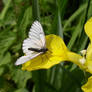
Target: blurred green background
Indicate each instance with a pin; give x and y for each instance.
(65, 18)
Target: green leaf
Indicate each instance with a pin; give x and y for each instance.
(6, 86)
(2, 15)
(47, 88)
(56, 77)
(21, 90)
(75, 15)
(25, 22)
(7, 38)
(21, 77)
(26, 19)
(1, 70)
(5, 59)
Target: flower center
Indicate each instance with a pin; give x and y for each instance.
(83, 53)
(82, 60)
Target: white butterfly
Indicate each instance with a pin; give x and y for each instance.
(34, 45)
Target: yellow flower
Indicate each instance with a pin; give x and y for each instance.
(88, 86)
(88, 58)
(57, 52)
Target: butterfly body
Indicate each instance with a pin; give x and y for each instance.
(43, 50)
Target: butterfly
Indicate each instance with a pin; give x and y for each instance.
(34, 45)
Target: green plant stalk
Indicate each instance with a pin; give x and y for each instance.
(3, 13)
(84, 38)
(78, 12)
(59, 26)
(35, 10)
(74, 36)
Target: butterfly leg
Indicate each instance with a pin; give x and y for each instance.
(42, 59)
(47, 57)
(49, 51)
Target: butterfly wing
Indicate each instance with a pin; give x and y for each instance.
(24, 59)
(36, 33)
(36, 40)
(29, 43)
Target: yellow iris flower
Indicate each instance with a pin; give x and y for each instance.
(57, 52)
(88, 29)
(88, 58)
(88, 86)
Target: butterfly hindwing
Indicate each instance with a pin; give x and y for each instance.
(24, 59)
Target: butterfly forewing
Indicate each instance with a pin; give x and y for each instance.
(37, 30)
(28, 43)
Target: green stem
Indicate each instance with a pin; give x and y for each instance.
(86, 16)
(84, 38)
(3, 13)
(35, 10)
(59, 25)
(76, 14)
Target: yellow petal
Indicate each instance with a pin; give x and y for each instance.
(88, 62)
(56, 53)
(55, 44)
(88, 28)
(75, 58)
(89, 53)
(88, 86)
(89, 66)
(37, 63)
